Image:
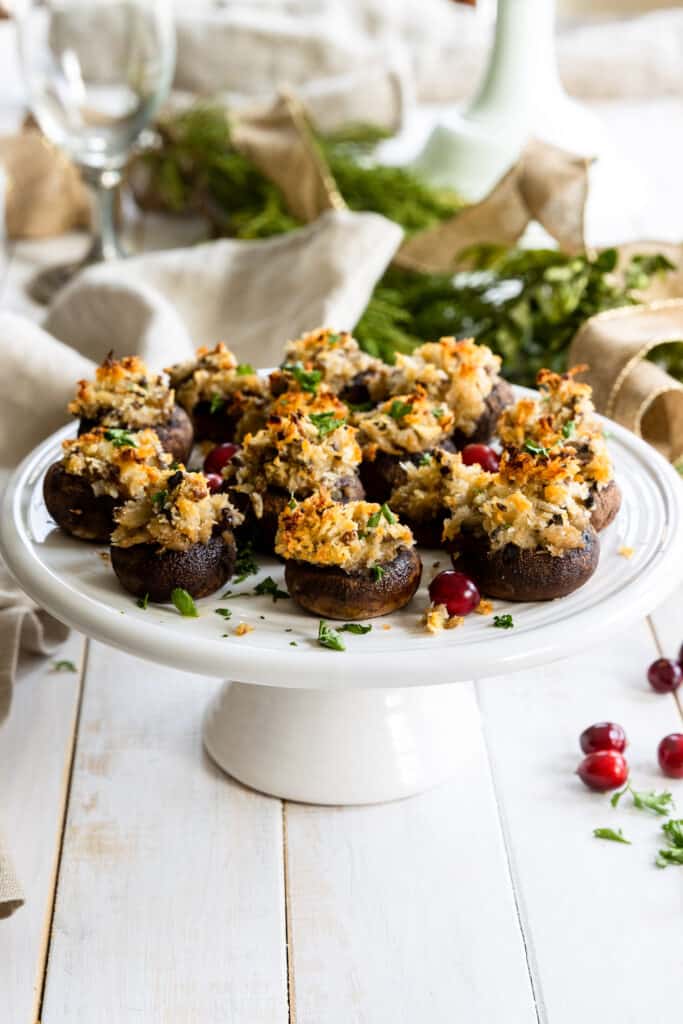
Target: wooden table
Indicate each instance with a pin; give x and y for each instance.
(161, 891)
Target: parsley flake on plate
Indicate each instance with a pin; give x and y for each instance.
(184, 602)
(328, 637)
(503, 621)
(355, 627)
(63, 666)
(270, 587)
(617, 836)
(659, 803)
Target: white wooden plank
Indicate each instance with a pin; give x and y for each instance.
(170, 905)
(404, 912)
(667, 625)
(601, 921)
(36, 744)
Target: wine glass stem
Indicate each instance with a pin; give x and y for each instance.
(105, 242)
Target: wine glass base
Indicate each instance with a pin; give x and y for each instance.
(44, 285)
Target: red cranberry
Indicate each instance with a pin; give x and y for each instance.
(665, 675)
(603, 736)
(214, 481)
(603, 770)
(480, 455)
(458, 592)
(219, 457)
(670, 755)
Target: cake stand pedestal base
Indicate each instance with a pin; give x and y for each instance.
(341, 746)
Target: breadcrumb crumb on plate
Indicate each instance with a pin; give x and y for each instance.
(626, 552)
(243, 628)
(436, 618)
(485, 607)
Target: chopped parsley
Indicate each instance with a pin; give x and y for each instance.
(270, 587)
(659, 803)
(120, 438)
(399, 409)
(292, 503)
(536, 449)
(438, 413)
(328, 637)
(325, 422)
(383, 512)
(609, 833)
(293, 643)
(360, 406)
(184, 602)
(159, 499)
(245, 564)
(569, 429)
(332, 339)
(377, 572)
(503, 621)
(673, 852)
(307, 380)
(217, 403)
(425, 459)
(143, 602)
(355, 627)
(245, 370)
(225, 613)
(63, 666)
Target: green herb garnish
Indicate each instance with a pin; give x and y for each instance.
(308, 380)
(225, 613)
(377, 572)
(503, 621)
(63, 666)
(328, 637)
(569, 429)
(245, 564)
(184, 602)
(383, 512)
(325, 422)
(292, 503)
(270, 587)
(438, 413)
(120, 438)
(143, 602)
(332, 339)
(159, 499)
(609, 833)
(355, 627)
(673, 852)
(536, 449)
(360, 406)
(659, 803)
(245, 370)
(425, 459)
(217, 403)
(293, 643)
(399, 409)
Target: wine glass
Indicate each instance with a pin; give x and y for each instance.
(96, 72)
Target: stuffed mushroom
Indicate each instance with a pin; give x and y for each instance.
(351, 561)
(125, 396)
(288, 460)
(526, 534)
(99, 471)
(563, 419)
(180, 536)
(405, 428)
(224, 398)
(336, 359)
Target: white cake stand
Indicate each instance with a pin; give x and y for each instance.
(376, 722)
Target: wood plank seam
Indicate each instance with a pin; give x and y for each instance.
(43, 960)
(531, 964)
(289, 951)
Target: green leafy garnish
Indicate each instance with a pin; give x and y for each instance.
(355, 627)
(292, 503)
(245, 370)
(270, 587)
(225, 613)
(332, 339)
(308, 380)
(120, 438)
(63, 666)
(184, 602)
(425, 459)
(438, 413)
(325, 422)
(659, 803)
(536, 449)
(360, 406)
(159, 499)
(673, 852)
(399, 409)
(503, 621)
(384, 512)
(293, 643)
(377, 572)
(143, 602)
(217, 403)
(328, 637)
(245, 564)
(609, 833)
(569, 429)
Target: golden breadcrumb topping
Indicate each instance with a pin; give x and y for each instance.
(562, 417)
(436, 618)
(460, 373)
(120, 463)
(296, 454)
(530, 502)
(231, 388)
(289, 402)
(337, 356)
(123, 394)
(181, 513)
(440, 481)
(354, 536)
(410, 423)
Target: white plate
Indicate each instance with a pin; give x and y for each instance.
(71, 579)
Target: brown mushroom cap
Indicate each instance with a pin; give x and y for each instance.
(75, 507)
(144, 569)
(606, 505)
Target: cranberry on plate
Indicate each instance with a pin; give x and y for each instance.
(456, 591)
(670, 755)
(481, 455)
(603, 770)
(219, 457)
(603, 736)
(665, 675)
